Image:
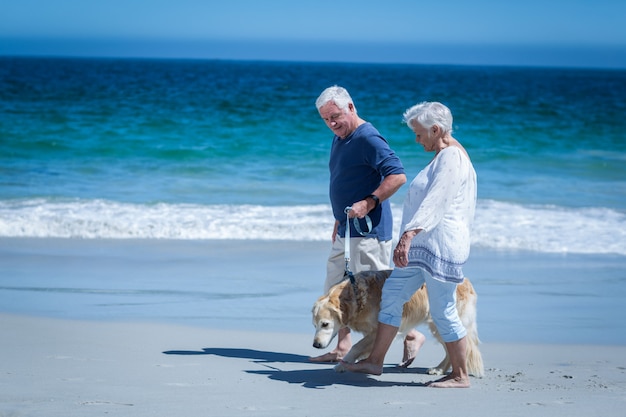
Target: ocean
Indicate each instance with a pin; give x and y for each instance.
(118, 177)
(201, 149)
(184, 149)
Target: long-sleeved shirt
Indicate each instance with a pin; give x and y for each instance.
(358, 164)
(441, 201)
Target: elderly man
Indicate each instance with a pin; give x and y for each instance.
(364, 173)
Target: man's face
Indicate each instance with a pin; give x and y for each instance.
(341, 122)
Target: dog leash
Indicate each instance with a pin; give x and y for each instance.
(357, 226)
(347, 271)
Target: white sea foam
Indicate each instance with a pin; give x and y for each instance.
(549, 228)
(498, 225)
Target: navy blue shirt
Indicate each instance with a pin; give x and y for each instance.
(358, 164)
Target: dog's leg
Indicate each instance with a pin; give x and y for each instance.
(445, 364)
(360, 350)
(442, 368)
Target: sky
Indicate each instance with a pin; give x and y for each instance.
(480, 32)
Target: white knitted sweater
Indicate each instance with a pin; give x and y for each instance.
(441, 201)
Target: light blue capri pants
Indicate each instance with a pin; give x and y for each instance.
(401, 285)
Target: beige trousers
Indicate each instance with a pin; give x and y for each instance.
(366, 254)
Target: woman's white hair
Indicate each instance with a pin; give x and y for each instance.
(337, 95)
(428, 114)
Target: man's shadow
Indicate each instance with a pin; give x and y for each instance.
(257, 356)
(308, 378)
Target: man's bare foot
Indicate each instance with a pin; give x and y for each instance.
(412, 344)
(363, 367)
(450, 382)
(344, 344)
(331, 357)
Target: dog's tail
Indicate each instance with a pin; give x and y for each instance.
(474, 358)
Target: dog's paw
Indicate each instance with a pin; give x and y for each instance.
(435, 371)
(340, 368)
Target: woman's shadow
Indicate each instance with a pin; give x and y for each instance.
(308, 378)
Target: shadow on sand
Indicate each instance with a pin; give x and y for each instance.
(309, 378)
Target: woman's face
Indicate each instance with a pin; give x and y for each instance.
(423, 136)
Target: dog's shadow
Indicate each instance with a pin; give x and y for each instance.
(308, 378)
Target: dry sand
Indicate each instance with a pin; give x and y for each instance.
(53, 367)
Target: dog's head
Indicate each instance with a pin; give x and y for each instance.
(327, 321)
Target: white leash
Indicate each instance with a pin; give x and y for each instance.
(357, 226)
(347, 245)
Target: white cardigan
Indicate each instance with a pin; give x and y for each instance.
(441, 201)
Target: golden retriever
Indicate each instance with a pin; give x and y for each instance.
(340, 308)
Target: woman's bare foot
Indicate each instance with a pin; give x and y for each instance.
(458, 378)
(450, 382)
(412, 344)
(363, 367)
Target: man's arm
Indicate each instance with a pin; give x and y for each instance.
(387, 188)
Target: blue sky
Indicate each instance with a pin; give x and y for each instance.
(530, 32)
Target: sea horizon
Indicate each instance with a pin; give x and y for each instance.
(544, 55)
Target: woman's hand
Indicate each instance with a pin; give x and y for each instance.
(401, 253)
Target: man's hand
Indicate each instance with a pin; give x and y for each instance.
(360, 209)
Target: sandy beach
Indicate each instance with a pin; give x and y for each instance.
(108, 350)
(76, 368)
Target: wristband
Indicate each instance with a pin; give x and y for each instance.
(376, 200)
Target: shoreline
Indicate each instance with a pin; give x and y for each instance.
(246, 284)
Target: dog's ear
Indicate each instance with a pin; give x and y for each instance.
(315, 309)
(332, 302)
(337, 306)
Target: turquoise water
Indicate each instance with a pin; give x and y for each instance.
(216, 150)
(187, 149)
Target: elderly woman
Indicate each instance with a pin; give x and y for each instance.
(434, 243)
